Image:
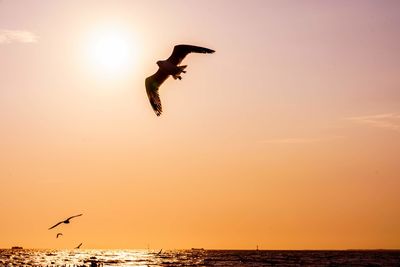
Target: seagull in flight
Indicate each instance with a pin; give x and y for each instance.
(65, 221)
(59, 234)
(79, 246)
(170, 67)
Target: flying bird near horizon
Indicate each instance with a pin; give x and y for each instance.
(59, 234)
(170, 67)
(65, 221)
(79, 246)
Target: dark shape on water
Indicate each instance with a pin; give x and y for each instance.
(169, 67)
(65, 221)
(96, 263)
(197, 249)
(159, 252)
(59, 234)
(79, 246)
(17, 247)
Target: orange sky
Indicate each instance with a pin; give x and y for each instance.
(288, 137)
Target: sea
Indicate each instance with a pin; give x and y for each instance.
(197, 257)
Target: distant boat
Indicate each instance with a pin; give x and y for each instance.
(17, 247)
(197, 249)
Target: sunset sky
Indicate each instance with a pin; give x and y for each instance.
(288, 137)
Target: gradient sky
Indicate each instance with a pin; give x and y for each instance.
(288, 137)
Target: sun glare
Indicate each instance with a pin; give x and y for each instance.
(111, 52)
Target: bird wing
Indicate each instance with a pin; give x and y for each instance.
(73, 217)
(153, 83)
(56, 225)
(180, 52)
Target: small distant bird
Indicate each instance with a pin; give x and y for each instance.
(59, 234)
(169, 67)
(159, 252)
(65, 221)
(79, 246)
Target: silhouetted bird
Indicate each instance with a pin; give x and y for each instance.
(65, 221)
(79, 246)
(59, 234)
(169, 67)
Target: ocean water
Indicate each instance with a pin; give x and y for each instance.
(84, 257)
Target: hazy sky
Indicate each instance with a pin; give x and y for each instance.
(288, 137)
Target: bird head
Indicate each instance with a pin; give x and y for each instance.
(159, 63)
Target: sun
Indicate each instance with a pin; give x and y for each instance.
(111, 51)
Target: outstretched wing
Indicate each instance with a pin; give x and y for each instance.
(74, 216)
(153, 83)
(56, 225)
(180, 52)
